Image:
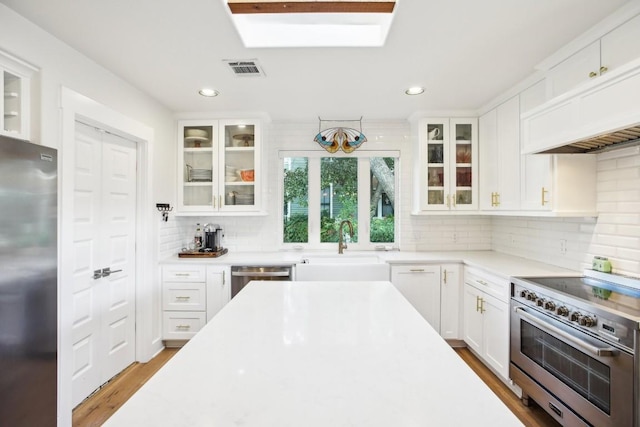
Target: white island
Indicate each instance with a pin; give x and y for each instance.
(309, 354)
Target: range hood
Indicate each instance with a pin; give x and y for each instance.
(608, 141)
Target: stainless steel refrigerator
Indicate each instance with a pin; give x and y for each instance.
(28, 283)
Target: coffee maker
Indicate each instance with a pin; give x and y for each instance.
(212, 238)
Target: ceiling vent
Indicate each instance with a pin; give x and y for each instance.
(245, 67)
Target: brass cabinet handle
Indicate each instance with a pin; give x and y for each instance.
(495, 199)
(603, 69)
(182, 274)
(592, 74)
(417, 270)
(478, 299)
(542, 200)
(445, 277)
(181, 298)
(220, 200)
(482, 310)
(183, 327)
(448, 200)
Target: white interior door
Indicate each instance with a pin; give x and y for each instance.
(104, 237)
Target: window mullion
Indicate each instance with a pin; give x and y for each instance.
(314, 201)
(364, 197)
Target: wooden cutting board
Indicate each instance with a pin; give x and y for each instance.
(198, 254)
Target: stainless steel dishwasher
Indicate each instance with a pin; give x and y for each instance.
(243, 274)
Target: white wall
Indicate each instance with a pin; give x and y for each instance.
(62, 66)
(615, 234)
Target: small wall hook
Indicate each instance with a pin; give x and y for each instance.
(165, 208)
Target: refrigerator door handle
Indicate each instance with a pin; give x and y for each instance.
(97, 274)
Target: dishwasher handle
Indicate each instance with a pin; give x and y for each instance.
(260, 274)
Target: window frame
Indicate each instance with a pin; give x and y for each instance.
(364, 195)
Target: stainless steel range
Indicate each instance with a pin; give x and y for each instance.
(575, 346)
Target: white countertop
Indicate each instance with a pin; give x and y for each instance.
(315, 354)
(495, 262)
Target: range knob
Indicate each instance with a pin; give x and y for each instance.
(587, 321)
(540, 302)
(563, 311)
(531, 296)
(575, 316)
(550, 305)
(523, 293)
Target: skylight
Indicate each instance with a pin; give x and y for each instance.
(321, 23)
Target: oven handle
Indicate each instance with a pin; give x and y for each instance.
(596, 351)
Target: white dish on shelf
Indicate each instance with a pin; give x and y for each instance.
(11, 114)
(196, 135)
(11, 95)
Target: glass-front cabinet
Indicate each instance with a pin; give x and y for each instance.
(446, 170)
(219, 166)
(14, 89)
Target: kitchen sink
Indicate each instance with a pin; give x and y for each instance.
(341, 259)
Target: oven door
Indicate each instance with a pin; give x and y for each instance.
(589, 376)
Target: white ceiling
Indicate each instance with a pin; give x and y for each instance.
(464, 52)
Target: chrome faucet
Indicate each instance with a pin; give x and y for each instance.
(341, 245)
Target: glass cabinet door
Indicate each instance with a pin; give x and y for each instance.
(437, 167)
(198, 176)
(238, 168)
(12, 105)
(463, 192)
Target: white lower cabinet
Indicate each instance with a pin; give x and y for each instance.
(434, 291)
(486, 319)
(450, 297)
(191, 295)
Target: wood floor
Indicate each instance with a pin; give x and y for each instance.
(96, 409)
(531, 416)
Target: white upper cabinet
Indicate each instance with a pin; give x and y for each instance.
(219, 167)
(15, 107)
(499, 135)
(621, 45)
(446, 167)
(579, 68)
(560, 184)
(610, 52)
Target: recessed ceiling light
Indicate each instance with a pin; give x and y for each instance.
(208, 92)
(416, 90)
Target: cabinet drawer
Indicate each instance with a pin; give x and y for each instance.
(182, 325)
(488, 283)
(184, 296)
(183, 273)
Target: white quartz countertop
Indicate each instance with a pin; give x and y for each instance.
(501, 264)
(315, 354)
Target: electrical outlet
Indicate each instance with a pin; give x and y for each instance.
(563, 246)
